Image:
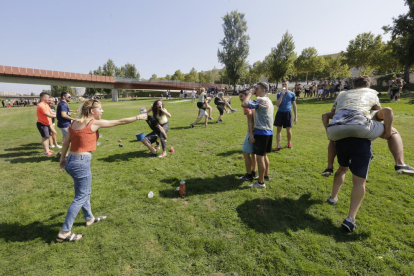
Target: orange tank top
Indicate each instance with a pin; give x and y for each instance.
(83, 140)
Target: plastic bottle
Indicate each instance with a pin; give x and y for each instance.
(182, 190)
(150, 194)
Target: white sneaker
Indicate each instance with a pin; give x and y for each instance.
(52, 146)
(257, 185)
(59, 146)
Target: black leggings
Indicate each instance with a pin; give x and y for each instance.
(166, 127)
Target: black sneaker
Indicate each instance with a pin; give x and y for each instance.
(327, 172)
(191, 126)
(406, 169)
(349, 225)
(153, 155)
(246, 177)
(266, 178)
(255, 175)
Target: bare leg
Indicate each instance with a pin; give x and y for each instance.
(254, 162)
(339, 178)
(45, 144)
(357, 196)
(395, 144)
(266, 161)
(261, 165)
(149, 146)
(278, 136)
(247, 162)
(289, 134)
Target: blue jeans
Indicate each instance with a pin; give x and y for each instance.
(79, 167)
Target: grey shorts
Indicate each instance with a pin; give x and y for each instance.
(64, 131)
(371, 132)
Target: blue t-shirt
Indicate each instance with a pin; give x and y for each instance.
(62, 122)
(286, 104)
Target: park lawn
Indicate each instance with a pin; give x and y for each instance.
(222, 227)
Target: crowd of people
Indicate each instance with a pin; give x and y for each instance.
(355, 122)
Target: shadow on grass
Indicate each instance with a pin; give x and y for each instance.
(16, 232)
(30, 146)
(230, 152)
(199, 186)
(19, 154)
(125, 156)
(266, 215)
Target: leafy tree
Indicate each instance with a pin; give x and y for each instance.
(235, 45)
(178, 76)
(402, 33)
(362, 52)
(387, 63)
(192, 76)
(256, 72)
(154, 77)
(109, 69)
(168, 77)
(309, 61)
(335, 67)
(56, 90)
(281, 58)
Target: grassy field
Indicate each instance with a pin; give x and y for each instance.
(222, 227)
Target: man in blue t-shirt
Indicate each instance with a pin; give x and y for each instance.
(284, 101)
(63, 114)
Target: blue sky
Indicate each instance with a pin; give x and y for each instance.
(163, 36)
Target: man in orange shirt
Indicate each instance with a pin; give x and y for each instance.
(44, 120)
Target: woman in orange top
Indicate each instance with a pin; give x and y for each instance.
(82, 136)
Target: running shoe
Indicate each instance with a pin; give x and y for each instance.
(258, 185)
(59, 146)
(327, 172)
(255, 175)
(191, 126)
(349, 224)
(278, 148)
(210, 118)
(266, 178)
(332, 201)
(246, 177)
(49, 153)
(289, 145)
(163, 155)
(406, 169)
(157, 147)
(153, 155)
(52, 146)
(234, 110)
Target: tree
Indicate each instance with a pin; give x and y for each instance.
(109, 69)
(362, 51)
(309, 61)
(235, 45)
(281, 58)
(178, 76)
(402, 33)
(192, 76)
(153, 77)
(336, 67)
(56, 90)
(256, 72)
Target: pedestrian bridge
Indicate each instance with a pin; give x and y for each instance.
(22, 75)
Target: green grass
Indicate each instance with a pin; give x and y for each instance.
(221, 227)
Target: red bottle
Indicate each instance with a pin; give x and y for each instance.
(182, 188)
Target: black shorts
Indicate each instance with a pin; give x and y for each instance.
(262, 144)
(200, 105)
(394, 92)
(356, 154)
(44, 130)
(283, 119)
(220, 109)
(152, 137)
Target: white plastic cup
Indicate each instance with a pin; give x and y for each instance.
(150, 194)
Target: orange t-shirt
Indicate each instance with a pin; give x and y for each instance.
(42, 110)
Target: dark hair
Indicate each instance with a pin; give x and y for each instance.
(362, 81)
(244, 92)
(155, 111)
(264, 85)
(63, 94)
(44, 94)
